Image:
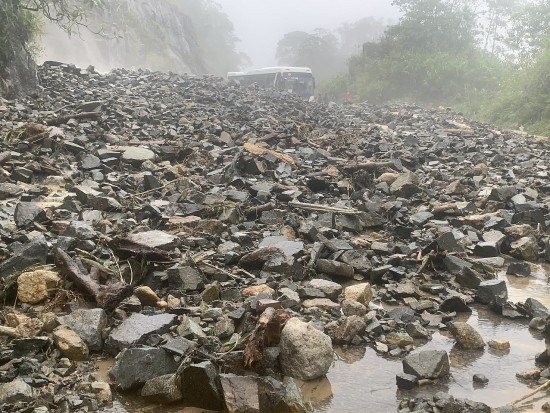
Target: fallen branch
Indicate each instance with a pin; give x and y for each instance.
(106, 296)
(255, 212)
(9, 331)
(323, 208)
(449, 207)
(60, 120)
(538, 389)
(374, 165)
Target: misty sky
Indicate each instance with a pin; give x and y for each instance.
(261, 23)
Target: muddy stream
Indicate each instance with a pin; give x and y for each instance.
(360, 380)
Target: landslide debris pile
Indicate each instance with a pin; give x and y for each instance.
(199, 232)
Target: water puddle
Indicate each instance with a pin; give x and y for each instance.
(367, 383)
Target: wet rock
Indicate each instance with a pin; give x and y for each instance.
(520, 269)
(430, 364)
(199, 386)
(351, 327)
(335, 268)
(456, 304)
(406, 381)
(15, 392)
(415, 330)
(362, 293)
(536, 308)
(135, 366)
(162, 389)
(466, 336)
(480, 378)
(469, 278)
(306, 353)
(500, 345)
(135, 330)
(525, 248)
(35, 286)
(492, 292)
(70, 344)
(88, 324)
(240, 393)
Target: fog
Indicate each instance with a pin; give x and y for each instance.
(260, 24)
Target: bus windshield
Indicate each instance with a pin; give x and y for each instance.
(302, 84)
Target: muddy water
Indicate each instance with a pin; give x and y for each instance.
(367, 383)
(363, 381)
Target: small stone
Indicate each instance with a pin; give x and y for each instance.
(330, 289)
(480, 378)
(466, 336)
(70, 344)
(401, 340)
(499, 344)
(88, 324)
(492, 292)
(323, 303)
(351, 327)
(27, 213)
(520, 269)
(34, 287)
(136, 154)
(350, 307)
(146, 295)
(361, 293)
(199, 386)
(163, 389)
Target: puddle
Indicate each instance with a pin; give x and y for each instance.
(368, 383)
(363, 381)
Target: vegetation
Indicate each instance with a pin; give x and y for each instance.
(488, 58)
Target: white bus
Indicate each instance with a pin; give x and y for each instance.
(298, 80)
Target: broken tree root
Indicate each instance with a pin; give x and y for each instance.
(267, 333)
(107, 296)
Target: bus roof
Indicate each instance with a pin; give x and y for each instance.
(275, 69)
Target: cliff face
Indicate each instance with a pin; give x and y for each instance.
(19, 77)
(151, 34)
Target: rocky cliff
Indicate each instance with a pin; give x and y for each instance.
(152, 34)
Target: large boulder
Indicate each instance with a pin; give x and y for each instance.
(430, 364)
(16, 391)
(306, 353)
(492, 292)
(135, 366)
(136, 328)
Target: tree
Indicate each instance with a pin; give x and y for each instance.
(19, 25)
(318, 50)
(354, 35)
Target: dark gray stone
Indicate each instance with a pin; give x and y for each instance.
(185, 278)
(135, 366)
(456, 304)
(536, 308)
(455, 265)
(240, 393)
(430, 364)
(88, 324)
(358, 259)
(406, 185)
(448, 242)
(163, 389)
(200, 388)
(32, 253)
(406, 381)
(519, 268)
(480, 378)
(135, 330)
(28, 212)
(90, 162)
(469, 278)
(492, 292)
